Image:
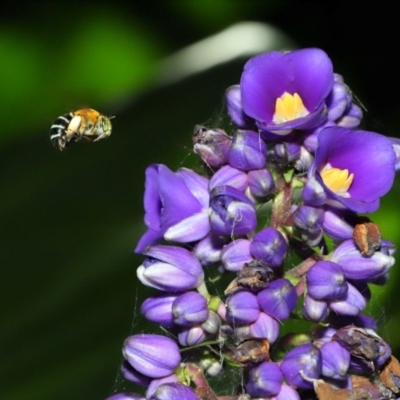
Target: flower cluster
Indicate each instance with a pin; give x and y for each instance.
(275, 212)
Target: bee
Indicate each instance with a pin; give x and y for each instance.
(72, 127)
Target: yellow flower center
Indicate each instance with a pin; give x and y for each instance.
(289, 107)
(337, 180)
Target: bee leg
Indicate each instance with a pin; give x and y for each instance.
(100, 137)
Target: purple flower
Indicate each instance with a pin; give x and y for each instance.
(265, 327)
(284, 91)
(154, 356)
(265, 380)
(170, 268)
(352, 168)
(158, 309)
(235, 254)
(208, 249)
(212, 145)
(261, 183)
(351, 304)
(335, 360)
(248, 151)
(191, 336)
(357, 267)
(325, 280)
(314, 310)
(172, 391)
(242, 308)
(278, 299)
(301, 365)
(155, 383)
(189, 309)
(231, 212)
(233, 98)
(308, 220)
(176, 206)
(229, 176)
(269, 246)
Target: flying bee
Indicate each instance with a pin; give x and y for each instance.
(72, 127)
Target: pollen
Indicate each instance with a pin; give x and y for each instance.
(289, 107)
(337, 180)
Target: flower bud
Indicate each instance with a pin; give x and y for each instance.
(351, 118)
(325, 280)
(158, 309)
(212, 145)
(265, 327)
(335, 360)
(189, 309)
(155, 383)
(169, 391)
(308, 220)
(269, 246)
(265, 380)
(154, 356)
(314, 310)
(242, 308)
(357, 267)
(191, 336)
(234, 107)
(170, 268)
(351, 304)
(279, 299)
(301, 365)
(229, 176)
(231, 212)
(338, 100)
(130, 374)
(286, 153)
(339, 225)
(126, 396)
(208, 250)
(235, 254)
(261, 183)
(248, 151)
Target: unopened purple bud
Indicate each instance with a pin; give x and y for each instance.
(357, 267)
(339, 225)
(335, 360)
(279, 299)
(130, 374)
(229, 176)
(301, 365)
(261, 183)
(313, 193)
(234, 107)
(325, 280)
(351, 118)
(269, 246)
(352, 304)
(265, 327)
(208, 250)
(242, 308)
(212, 145)
(231, 212)
(287, 152)
(212, 324)
(314, 310)
(338, 100)
(126, 396)
(235, 254)
(154, 356)
(388, 248)
(155, 383)
(189, 309)
(172, 391)
(191, 336)
(159, 309)
(309, 222)
(265, 380)
(170, 268)
(303, 163)
(248, 151)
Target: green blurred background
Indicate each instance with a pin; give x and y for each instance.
(69, 221)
